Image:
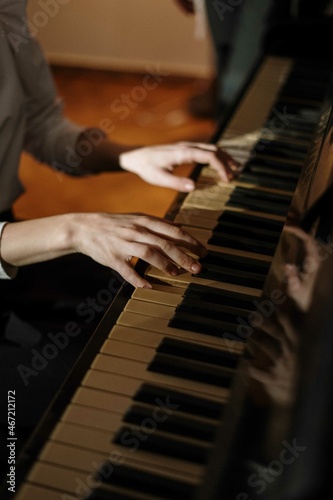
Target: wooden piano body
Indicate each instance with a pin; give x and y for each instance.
(175, 395)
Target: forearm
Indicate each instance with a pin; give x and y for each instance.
(154, 164)
(110, 239)
(38, 240)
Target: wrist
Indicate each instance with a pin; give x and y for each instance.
(6, 270)
(72, 231)
(129, 158)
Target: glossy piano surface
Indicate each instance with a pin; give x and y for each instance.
(279, 433)
(189, 389)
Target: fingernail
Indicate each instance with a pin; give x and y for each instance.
(189, 186)
(174, 272)
(148, 286)
(195, 268)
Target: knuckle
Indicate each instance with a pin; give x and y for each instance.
(144, 220)
(165, 245)
(177, 232)
(147, 253)
(165, 265)
(184, 260)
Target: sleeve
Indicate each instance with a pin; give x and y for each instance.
(50, 136)
(6, 271)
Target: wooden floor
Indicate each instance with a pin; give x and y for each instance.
(151, 116)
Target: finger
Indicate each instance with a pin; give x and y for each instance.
(200, 145)
(130, 275)
(165, 256)
(217, 159)
(171, 181)
(292, 278)
(172, 232)
(225, 165)
(297, 232)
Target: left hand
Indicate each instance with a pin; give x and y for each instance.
(155, 164)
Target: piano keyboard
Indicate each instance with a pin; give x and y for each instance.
(142, 422)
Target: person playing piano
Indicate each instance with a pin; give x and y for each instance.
(52, 288)
(32, 119)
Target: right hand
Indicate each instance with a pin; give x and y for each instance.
(155, 164)
(114, 239)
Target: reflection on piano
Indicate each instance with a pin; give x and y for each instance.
(189, 390)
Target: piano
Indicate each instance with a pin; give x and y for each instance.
(216, 386)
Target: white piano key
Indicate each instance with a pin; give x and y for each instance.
(96, 440)
(138, 370)
(151, 324)
(86, 461)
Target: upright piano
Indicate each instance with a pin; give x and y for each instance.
(217, 386)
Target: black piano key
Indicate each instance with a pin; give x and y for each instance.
(311, 70)
(232, 268)
(218, 315)
(304, 90)
(305, 77)
(174, 423)
(305, 86)
(282, 199)
(267, 176)
(281, 145)
(284, 124)
(198, 352)
(141, 481)
(239, 243)
(268, 181)
(287, 128)
(204, 309)
(262, 166)
(234, 277)
(199, 324)
(259, 201)
(295, 115)
(196, 311)
(280, 150)
(235, 262)
(162, 445)
(251, 220)
(180, 401)
(245, 230)
(177, 366)
(212, 295)
(306, 123)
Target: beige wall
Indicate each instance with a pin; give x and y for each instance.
(120, 34)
